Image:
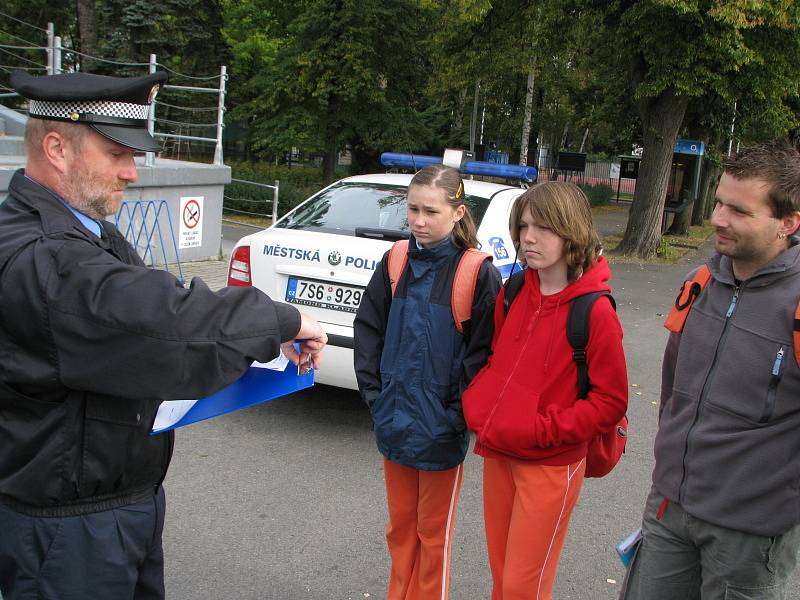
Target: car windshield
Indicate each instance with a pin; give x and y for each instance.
(347, 206)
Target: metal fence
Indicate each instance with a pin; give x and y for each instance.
(255, 202)
(43, 52)
(596, 173)
(147, 225)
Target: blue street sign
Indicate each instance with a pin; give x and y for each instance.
(689, 147)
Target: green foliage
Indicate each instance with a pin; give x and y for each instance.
(665, 250)
(400, 75)
(713, 51)
(35, 15)
(185, 35)
(316, 75)
(598, 195)
(296, 184)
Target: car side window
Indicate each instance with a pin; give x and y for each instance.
(343, 208)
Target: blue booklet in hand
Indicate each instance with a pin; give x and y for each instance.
(259, 384)
(627, 547)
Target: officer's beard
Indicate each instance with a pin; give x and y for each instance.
(92, 194)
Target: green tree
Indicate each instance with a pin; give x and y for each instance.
(185, 35)
(25, 27)
(672, 51)
(319, 75)
(531, 58)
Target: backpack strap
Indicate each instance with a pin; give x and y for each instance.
(512, 286)
(462, 294)
(465, 279)
(676, 318)
(796, 334)
(578, 334)
(396, 263)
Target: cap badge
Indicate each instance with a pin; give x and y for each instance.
(74, 116)
(153, 93)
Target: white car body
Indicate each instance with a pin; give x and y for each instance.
(338, 264)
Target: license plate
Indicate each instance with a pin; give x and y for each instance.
(323, 294)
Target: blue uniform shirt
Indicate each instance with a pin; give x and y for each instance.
(87, 221)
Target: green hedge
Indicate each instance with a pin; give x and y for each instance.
(598, 195)
(296, 184)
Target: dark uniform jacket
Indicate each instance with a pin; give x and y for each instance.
(91, 342)
(412, 364)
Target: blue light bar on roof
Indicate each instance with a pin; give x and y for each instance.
(473, 167)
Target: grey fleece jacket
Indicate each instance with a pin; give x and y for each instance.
(728, 442)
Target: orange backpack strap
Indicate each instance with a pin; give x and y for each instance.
(690, 290)
(464, 282)
(796, 334)
(396, 263)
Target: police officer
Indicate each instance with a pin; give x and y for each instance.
(91, 341)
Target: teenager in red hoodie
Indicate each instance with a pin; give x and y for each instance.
(532, 429)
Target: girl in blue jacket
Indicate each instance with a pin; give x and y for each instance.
(412, 365)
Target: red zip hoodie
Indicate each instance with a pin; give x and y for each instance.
(524, 403)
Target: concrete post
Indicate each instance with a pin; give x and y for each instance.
(57, 55)
(150, 157)
(275, 202)
(223, 76)
(51, 32)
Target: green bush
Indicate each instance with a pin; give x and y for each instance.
(296, 184)
(665, 250)
(598, 195)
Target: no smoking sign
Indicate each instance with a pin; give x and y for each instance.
(191, 228)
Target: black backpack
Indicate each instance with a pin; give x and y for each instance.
(577, 324)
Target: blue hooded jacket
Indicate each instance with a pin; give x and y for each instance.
(412, 364)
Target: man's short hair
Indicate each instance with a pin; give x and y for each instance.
(778, 164)
(36, 129)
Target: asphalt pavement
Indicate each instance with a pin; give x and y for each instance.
(285, 501)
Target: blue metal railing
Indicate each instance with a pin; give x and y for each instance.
(140, 223)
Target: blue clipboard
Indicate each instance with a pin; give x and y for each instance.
(257, 385)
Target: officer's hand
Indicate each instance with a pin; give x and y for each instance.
(312, 340)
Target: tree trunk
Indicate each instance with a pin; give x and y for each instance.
(708, 186)
(462, 100)
(661, 119)
(331, 156)
(87, 32)
(526, 119)
(473, 124)
(583, 141)
(680, 222)
(715, 172)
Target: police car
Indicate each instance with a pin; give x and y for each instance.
(321, 255)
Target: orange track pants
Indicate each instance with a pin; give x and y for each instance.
(527, 508)
(422, 514)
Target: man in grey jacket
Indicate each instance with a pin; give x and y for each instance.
(721, 520)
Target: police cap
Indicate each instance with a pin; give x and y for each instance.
(115, 107)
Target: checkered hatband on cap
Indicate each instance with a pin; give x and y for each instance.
(69, 110)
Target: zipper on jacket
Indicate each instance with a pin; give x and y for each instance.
(772, 391)
(520, 354)
(704, 392)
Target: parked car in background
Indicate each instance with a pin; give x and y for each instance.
(321, 255)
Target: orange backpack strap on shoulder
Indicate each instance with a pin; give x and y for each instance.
(396, 262)
(690, 290)
(796, 334)
(463, 292)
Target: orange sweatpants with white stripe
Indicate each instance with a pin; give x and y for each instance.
(422, 515)
(527, 508)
